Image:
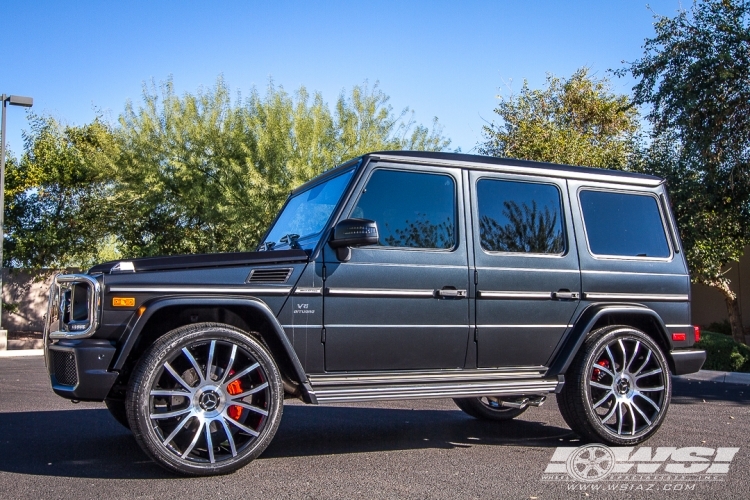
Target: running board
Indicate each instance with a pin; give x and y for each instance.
(339, 394)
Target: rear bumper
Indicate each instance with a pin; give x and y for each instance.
(687, 361)
(78, 369)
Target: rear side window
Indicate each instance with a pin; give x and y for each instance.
(623, 224)
(520, 217)
(412, 209)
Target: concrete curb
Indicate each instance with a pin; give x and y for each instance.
(21, 353)
(719, 377)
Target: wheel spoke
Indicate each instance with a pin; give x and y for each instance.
(177, 429)
(177, 377)
(638, 409)
(632, 418)
(605, 398)
(624, 354)
(605, 370)
(600, 386)
(650, 389)
(251, 391)
(610, 414)
(645, 362)
(650, 401)
(195, 439)
(193, 362)
(652, 372)
(166, 392)
(230, 363)
(209, 443)
(242, 373)
(230, 439)
(210, 359)
(611, 358)
(250, 407)
(170, 414)
(635, 354)
(240, 426)
(619, 418)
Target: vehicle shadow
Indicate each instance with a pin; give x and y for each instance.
(89, 443)
(687, 392)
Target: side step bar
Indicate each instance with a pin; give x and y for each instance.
(338, 394)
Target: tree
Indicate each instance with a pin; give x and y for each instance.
(578, 121)
(695, 77)
(203, 173)
(57, 195)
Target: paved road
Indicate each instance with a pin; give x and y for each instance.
(50, 448)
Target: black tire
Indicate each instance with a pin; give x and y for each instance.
(487, 409)
(618, 388)
(205, 399)
(117, 409)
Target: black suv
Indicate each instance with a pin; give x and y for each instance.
(397, 275)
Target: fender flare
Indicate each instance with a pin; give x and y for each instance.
(586, 321)
(140, 319)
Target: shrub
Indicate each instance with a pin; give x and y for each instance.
(723, 353)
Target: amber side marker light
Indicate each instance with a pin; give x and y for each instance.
(123, 301)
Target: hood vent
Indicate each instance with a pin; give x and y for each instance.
(276, 275)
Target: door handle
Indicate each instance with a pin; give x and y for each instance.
(566, 295)
(451, 293)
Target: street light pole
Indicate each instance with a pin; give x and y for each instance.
(13, 100)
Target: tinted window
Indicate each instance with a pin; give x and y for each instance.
(520, 217)
(623, 224)
(412, 209)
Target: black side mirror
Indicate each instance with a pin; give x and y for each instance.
(353, 233)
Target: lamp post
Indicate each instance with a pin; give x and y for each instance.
(26, 102)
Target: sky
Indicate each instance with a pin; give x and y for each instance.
(440, 58)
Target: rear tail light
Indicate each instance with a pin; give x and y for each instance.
(697, 330)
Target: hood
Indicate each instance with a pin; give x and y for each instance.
(195, 261)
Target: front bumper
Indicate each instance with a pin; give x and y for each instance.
(687, 361)
(78, 369)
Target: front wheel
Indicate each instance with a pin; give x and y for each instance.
(205, 399)
(487, 408)
(618, 388)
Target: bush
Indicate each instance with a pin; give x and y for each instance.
(724, 327)
(723, 353)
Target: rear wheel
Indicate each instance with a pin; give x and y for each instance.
(618, 388)
(488, 408)
(205, 399)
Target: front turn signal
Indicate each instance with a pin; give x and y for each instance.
(123, 301)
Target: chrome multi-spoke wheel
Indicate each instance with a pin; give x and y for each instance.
(618, 388)
(488, 408)
(206, 399)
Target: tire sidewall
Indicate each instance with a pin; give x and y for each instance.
(150, 366)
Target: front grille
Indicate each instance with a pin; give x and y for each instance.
(64, 366)
(278, 275)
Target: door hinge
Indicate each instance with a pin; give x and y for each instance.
(476, 277)
(476, 334)
(323, 335)
(324, 273)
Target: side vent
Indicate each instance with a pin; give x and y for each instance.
(278, 275)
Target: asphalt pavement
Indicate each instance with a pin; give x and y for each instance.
(51, 448)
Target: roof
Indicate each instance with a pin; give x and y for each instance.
(521, 166)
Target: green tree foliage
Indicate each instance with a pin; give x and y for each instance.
(695, 76)
(56, 212)
(576, 121)
(528, 230)
(205, 173)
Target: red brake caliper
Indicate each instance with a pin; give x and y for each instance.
(597, 374)
(235, 412)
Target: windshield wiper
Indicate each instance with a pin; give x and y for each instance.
(291, 240)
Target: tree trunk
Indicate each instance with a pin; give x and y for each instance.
(733, 309)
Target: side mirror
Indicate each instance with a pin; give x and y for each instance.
(353, 233)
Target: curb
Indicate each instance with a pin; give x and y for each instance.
(21, 353)
(717, 377)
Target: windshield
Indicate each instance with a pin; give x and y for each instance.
(305, 215)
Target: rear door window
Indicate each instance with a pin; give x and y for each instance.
(623, 224)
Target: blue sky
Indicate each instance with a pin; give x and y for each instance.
(444, 59)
